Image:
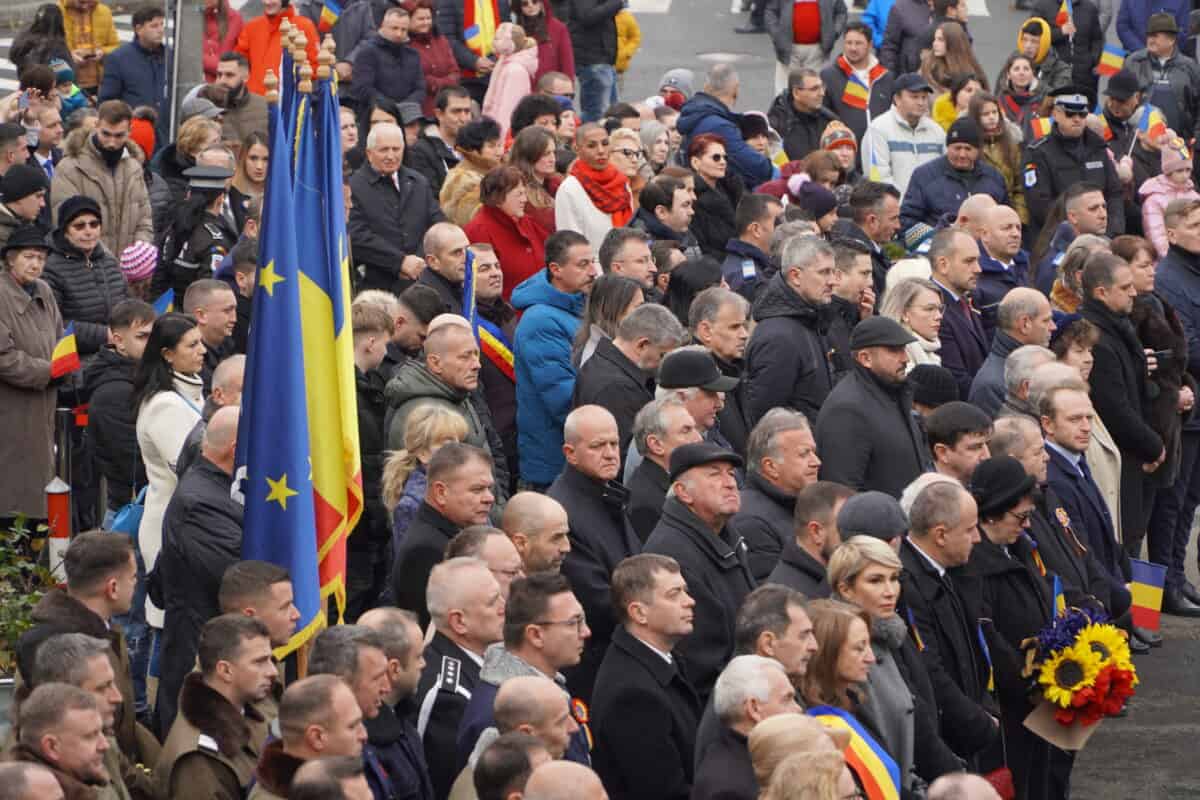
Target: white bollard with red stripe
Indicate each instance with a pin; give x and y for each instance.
(58, 512)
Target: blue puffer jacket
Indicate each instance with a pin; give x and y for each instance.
(936, 189)
(706, 114)
(545, 376)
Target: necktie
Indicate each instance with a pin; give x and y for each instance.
(966, 305)
(1083, 468)
(48, 165)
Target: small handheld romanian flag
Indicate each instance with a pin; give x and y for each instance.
(1066, 12)
(65, 358)
(1041, 127)
(1147, 590)
(330, 11)
(1152, 123)
(1111, 60)
(856, 94)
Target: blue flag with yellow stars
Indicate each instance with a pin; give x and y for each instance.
(273, 463)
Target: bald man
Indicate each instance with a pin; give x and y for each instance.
(601, 535)
(449, 377)
(539, 529)
(1003, 265)
(201, 538)
(973, 212)
(446, 264)
(564, 780)
(1024, 317)
(961, 786)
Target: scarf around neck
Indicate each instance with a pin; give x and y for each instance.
(608, 190)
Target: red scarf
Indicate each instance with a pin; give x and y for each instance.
(608, 190)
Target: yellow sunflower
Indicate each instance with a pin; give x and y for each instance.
(1108, 643)
(1067, 671)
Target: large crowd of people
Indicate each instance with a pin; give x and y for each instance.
(764, 411)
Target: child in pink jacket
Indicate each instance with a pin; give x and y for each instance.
(1175, 183)
(512, 77)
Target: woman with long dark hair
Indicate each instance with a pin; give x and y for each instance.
(555, 53)
(950, 55)
(169, 396)
(1018, 89)
(438, 64)
(1001, 148)
(613, 297)
(43, 41)
(250, 178)
(533, 153)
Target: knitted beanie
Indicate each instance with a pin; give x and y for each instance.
(142, 133)
(138, 261)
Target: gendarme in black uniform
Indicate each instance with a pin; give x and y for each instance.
(196, 253)
(1055, 163)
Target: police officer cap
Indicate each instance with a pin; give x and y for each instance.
(204, 177)
(879, 332)
(698, 454)
(1070, 98)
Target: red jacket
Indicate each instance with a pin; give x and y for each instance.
(438, 65)
(214, 43)
(520, 244)
(557, 54)
(259, 42)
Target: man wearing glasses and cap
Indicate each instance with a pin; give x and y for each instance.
(1070, 154)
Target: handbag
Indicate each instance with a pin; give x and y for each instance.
(129, 516)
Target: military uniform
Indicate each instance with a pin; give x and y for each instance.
(212, 749)
(1053, 164)
(443, 692)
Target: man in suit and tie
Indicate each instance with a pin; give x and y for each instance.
(954, 262)
(1067, 414)
(938, 601)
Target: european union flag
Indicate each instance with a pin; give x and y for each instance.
(273, 446)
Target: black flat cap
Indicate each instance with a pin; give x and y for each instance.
(687, 369)
(1123, 85)
(698, 454)
(879, 332)
(874, 514)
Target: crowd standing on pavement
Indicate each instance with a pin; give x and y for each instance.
(809, 406)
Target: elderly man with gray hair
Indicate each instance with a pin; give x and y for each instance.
(660, 427)
(620, 374)
(719, 319)
(1019, 369)
(781, 458)
(1023, 318)
(750, 689)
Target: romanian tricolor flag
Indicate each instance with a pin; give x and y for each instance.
(1111, 60)
(912, 628)
(856, 94)
(1066, 12)
(494, 343)
(1041, 127)
(1152, 123)
(987, 657)
(1147, 589)
(1060, 600)
(1107, 131)
(165, 302)
(65, 358)
(330, 12)
(876, 771)
(480, 18)
(873, 173)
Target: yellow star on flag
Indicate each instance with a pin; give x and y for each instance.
(267, 278)
(279, 491)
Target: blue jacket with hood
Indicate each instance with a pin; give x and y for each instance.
(706, 114)
(545, 374)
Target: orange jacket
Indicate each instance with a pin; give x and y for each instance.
(259, 42)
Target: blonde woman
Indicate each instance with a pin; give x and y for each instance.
(628, 158)
(916, 304)
(812, 776)
(196, 135)
(775, 738)
(900, 704)
(428, 428)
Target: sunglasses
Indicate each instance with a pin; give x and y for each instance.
(1075, 114)
(86, 223)
(718, 157)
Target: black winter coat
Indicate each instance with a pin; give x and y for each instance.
(374, 529)
(1158, 327)
(160, 203)
(443, 692)
(87, 286)
(950, 650)
(433, 158)
(1083, 578)
(645, 713)
(713, 222)
(764, 523)
(841, 324)
(718, 578)
(387, 224)
(932, 757)
(610, 380)
(801, 130)
(1016, 599)
(725, 771)
(201, 538)
(647, 492)
(880, 263)
(867, 436)
(787, 357)
(386, 69)
(601, 537)
(593, 28)
(731, 420)
(394, 745)
(423, 548)
(170, 164)
(112, 416)
(798, 570)
(450, 293)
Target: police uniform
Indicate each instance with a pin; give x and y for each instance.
(443, 692)
(212, 749)
(198, 253)
(1053, 164)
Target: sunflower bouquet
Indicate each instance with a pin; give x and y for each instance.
(1081, 666)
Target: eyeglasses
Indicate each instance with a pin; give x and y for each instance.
(1023, 517)
(85, 223)
(628, 153)
(579, 621)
